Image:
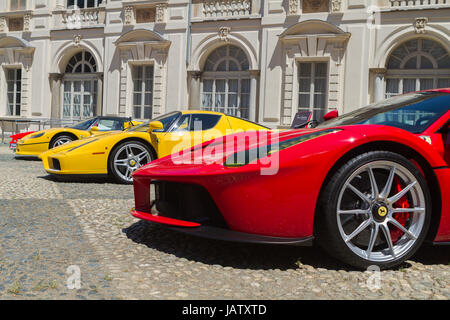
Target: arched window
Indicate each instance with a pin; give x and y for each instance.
(82, 62)
(226, 82)
(417, 64)
(80, 87)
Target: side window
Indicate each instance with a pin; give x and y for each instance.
(182, 124)
(203, 121)
(196, 122)
(109, 124)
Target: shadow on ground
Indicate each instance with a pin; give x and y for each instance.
(78, 179)
(26, 158)
(252, 256)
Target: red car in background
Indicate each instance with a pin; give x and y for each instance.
(369, 186)
(16, 137)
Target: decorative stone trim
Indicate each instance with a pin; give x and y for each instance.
(226, 8)
(161, 12)
(77, 40)
(336, 5)
(293, 7)
(142, 47)
(378, 70)
(20, 54)
(224, 32)
(27, 22)
(419, 24)
(129, 14)
(3, 25)
(327, 44)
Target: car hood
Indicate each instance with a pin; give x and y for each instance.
(217, 150)
(99, 138)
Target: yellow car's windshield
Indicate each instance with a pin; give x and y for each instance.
(166, 120)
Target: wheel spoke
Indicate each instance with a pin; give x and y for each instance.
(387, 235)
(121, 162)
(353, 211)
(128, 173)
(373, 183)
(418, 210)
(399, 195)
(388, 185)
(402, 228)
(359, 193)
(141, 156)
(129, 151)
(358, 230)
(373, 239)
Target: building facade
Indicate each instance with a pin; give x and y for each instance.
(259, 59)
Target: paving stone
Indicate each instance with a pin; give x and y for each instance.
(47, 225)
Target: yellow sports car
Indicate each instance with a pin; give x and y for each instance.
(36, 143)
(119, 154)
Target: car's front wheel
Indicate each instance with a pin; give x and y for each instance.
(60, 140)
(375, 210)
(126, 158)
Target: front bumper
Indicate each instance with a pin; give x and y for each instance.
(212, 232)
(80, 163)
(30, 149)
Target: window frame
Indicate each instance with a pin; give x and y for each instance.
(311, 93)
(97, 3)
(14, 92)
(240, 76)
(19, 5)
(143, 90)
(401, 74)
(93, 94)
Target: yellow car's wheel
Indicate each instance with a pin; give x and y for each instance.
(60, 140)
(126, 158)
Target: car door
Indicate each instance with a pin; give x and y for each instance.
(191, 129)
(446, 141)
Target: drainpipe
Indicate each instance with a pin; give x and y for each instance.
(188, 36)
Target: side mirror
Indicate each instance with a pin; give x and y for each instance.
(330, 115)
(155, 125)
(94, 129)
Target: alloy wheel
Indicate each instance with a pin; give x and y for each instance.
(379, 200)
(129, 158)
(62, 140)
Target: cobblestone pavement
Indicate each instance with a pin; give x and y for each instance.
(46, 226)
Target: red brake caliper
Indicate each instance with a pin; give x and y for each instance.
(401, 217)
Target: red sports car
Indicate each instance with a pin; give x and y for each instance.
(369, 186)
(16, 137)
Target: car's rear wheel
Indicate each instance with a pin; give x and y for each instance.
(126, 158)
(60, 140)
(375, 210)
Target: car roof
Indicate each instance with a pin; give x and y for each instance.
(202, 111)
(112, 117)
(446, 90)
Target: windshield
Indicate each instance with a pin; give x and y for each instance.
(166, 120)
(413, 112)
(83, 125)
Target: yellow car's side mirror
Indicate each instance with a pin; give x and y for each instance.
(155, 125)
(94, 129)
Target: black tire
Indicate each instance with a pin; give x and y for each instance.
(328, 234)
(56, 141)
(115, 171)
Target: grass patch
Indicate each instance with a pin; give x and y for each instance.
(108, 277)
(15, 288)
(44, 285)
(37, 256)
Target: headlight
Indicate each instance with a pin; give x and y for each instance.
(242, 158)
(37, 135)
